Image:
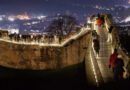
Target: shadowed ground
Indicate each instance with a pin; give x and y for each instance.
(72, 77)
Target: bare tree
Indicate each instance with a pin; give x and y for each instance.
(62, 25)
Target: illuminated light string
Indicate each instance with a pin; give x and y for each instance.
(93, 68)
(82, 32)
(92, 52)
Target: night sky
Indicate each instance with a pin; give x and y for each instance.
(77, 7)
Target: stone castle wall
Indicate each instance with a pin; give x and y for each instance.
(40, 57)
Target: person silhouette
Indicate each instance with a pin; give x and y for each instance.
(119, 70)
(96, 46)
(112, 59)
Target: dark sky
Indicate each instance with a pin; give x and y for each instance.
(52, 5)
(80, 7)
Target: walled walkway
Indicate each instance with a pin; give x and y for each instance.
(105, 51)
(97, 69)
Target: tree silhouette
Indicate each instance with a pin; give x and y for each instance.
(62, 25)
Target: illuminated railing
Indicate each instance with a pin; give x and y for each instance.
(55, 41)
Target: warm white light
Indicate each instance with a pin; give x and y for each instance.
(11, 19)
(41, 17)
(1, 19)
(12, 31)
(88, 20)
(23, 17)
(34, 22)
(127, 19)
(93, 66)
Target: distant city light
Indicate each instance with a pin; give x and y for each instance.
(97, 7)
(22, 17)
(27, 24)
(1, 19)
(11, 18)
(34, 22)
(41, 17)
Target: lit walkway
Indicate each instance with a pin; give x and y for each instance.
(98, 71)
(105, 51)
